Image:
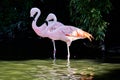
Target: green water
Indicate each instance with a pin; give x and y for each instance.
(46, 70)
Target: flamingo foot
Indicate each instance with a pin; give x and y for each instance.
(54, 52)
(54, 56)
(68, 61)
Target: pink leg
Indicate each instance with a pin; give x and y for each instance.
(68, 56)
(54, 52)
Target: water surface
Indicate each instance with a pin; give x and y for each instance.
(46, 70)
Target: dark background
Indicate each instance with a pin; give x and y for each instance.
(33, 47)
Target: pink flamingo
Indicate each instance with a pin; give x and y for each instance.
(57, 31)
(41, 31)
(68, 34)
(53, 24)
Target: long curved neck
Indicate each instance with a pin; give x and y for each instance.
(35, 20)
(52, 23)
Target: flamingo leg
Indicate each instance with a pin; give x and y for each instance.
(68, 56)
(54, 52)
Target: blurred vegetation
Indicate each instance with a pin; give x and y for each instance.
(13, 11)
(14, 15)
(15, 22)
(88, 15)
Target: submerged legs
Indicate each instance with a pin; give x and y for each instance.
(68, 56)
(54, 52)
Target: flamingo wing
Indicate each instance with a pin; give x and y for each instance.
(75, 33)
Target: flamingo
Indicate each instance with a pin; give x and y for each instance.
(58, 31)
(41, 30)
(53, 24)
(67, 34)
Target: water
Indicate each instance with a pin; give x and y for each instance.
(47, 70)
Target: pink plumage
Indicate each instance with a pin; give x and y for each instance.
(57, 31)
(41, 30)
(68, 34)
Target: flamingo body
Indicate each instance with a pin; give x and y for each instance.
(41, 30)
(68, 34)
(53, 24)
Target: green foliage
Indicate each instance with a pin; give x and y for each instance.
(87, 14)
(12, 12)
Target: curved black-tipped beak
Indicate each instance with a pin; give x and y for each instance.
(31, 18)
(46, 22)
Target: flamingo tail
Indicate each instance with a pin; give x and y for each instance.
(88, 35)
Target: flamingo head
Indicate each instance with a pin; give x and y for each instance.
(51, 17)
(33, 11)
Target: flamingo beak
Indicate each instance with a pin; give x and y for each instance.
(46, 22)
(32, 18)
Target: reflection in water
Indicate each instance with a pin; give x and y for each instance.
(68, 61)
(71, 74)
(46, 70)
(69, 71)
(65, 72)
(54, 61)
